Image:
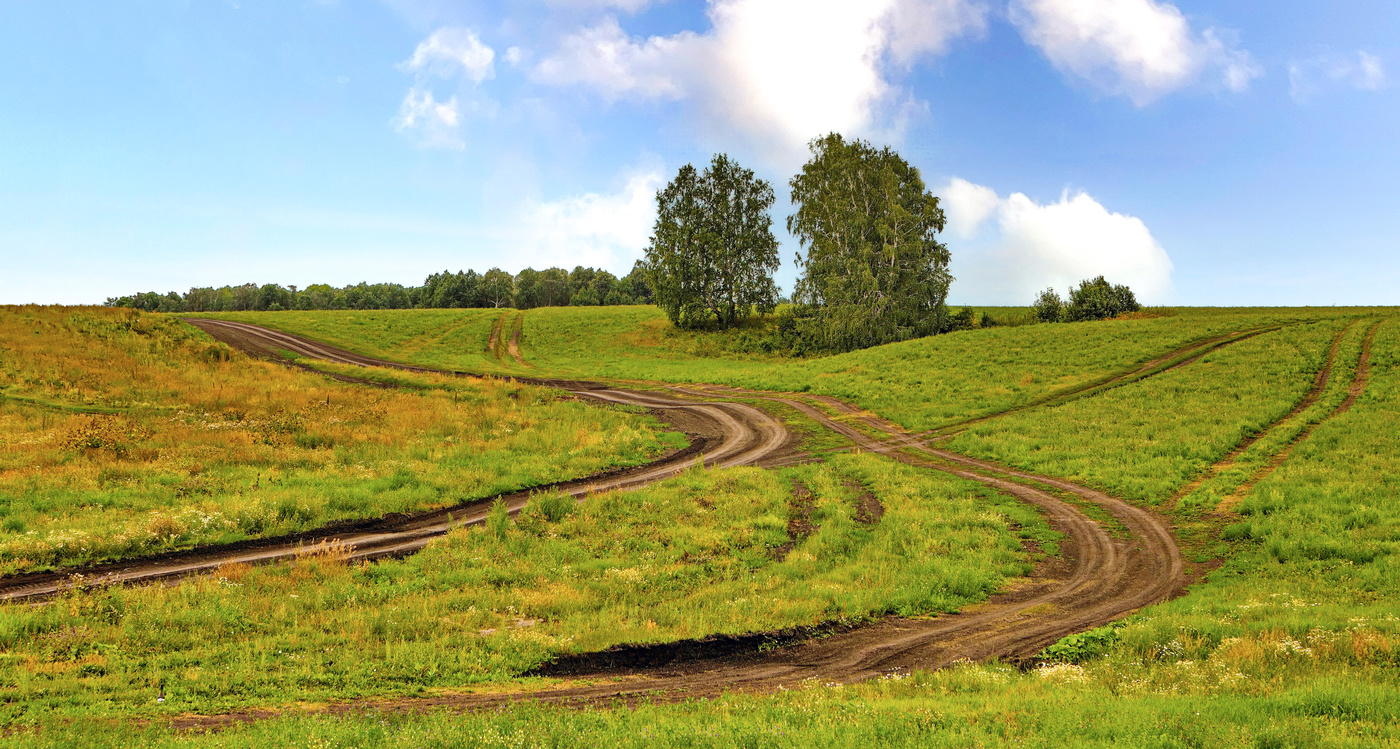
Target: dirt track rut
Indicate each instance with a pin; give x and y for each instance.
(1098, 578)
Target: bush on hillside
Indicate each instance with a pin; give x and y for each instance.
(1094, 299)
(1048, 306)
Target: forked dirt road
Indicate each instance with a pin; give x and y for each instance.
(1099, 577)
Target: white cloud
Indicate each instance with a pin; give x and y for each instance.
(1141, 49)
(431, 123)
(1307, 78)
(1013, 247)
(778, 72)
(605, 58)
(449, 51)
(600, 230)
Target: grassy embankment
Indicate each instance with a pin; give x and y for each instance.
(124, 434)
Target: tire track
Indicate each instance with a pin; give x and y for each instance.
(1354, 391)
(1320, 380)
(1179, 357)
(517, 327)
(722, 434)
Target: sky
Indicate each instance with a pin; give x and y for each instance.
(1204, 153)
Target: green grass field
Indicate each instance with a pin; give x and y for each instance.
(1292, 639)
(690, 557)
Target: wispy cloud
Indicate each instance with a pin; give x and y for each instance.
(607, 230)
(1307, 78)
(447, 53)
(1141, 49)
(431, 123)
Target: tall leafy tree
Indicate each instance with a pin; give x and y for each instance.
(527, 289)
(874, 271)
(713, 253)
(554, 287)
(498, 288)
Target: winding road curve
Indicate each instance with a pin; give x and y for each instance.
(1098, 578)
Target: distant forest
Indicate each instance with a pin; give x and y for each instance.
(552, 287)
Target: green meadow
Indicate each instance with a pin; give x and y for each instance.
(920, 384)
(1286, 495)
(706, 553)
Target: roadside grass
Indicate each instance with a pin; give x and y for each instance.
(691, 556)
(198, 444)
(1144, 440)
(919, 384)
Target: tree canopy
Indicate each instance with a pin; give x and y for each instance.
(874, 271)
(712, 253)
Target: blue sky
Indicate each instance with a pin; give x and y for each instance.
(1206, 153)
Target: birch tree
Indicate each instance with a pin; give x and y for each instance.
(874, 271)
(712, 253)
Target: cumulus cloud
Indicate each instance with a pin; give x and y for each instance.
(1007, 249)
(431, 123)
(450, 51)
(1307, 78)
(606, 230)
(1141, 49)
(768, 69)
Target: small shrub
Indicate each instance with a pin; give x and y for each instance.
(1083, 646)
(1048, 306)
(963, 320)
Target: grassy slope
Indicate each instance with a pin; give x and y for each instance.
(201, 446)
(686, 558)
(1144, 440)
(920, 384)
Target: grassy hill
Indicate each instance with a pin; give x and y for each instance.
(1276, 457)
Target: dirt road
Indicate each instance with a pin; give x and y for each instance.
(1098, 578)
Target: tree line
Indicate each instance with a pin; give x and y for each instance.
(871, 268)
(530, 288)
